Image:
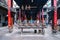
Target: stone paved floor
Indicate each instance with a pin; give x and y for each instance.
(15, 35)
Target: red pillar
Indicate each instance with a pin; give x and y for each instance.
(19, 17)
(38, 16)
(9, 14)
(38, 20)
(55, 14)
(19, 14)
(42, 17)
(25, 17)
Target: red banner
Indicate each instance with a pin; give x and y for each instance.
(55, 12)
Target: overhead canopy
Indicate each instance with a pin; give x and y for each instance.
(38, 3)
